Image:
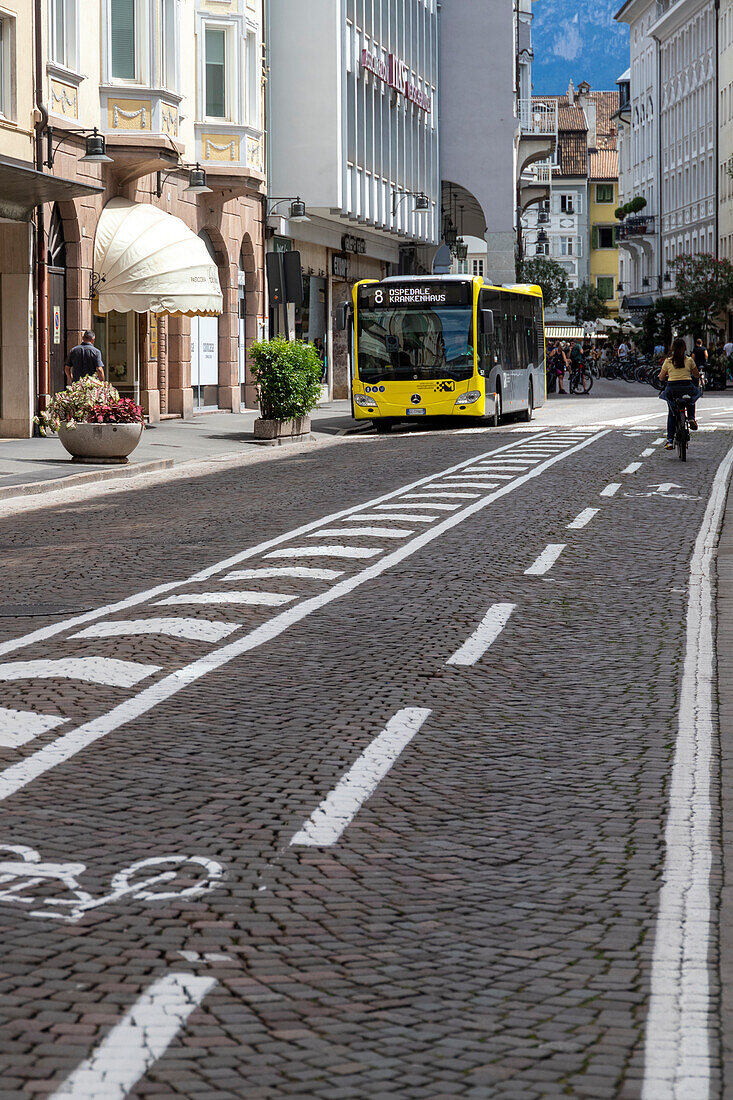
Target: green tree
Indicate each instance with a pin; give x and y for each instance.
(548, 274)
(660, 323)
(586, 304)
(704, 287)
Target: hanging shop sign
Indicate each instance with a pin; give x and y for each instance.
(397, 74)
(357, 245)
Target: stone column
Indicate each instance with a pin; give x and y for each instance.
(163, 362)
(229, 391)
(149, 396)
(180, 393)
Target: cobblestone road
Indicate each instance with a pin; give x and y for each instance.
(348, 776)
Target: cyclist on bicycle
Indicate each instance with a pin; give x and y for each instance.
(681, 374)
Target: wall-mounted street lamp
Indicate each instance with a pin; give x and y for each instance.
(422, 202)
(197, 184)
(96, 147)
(659, 279)
(298, 211)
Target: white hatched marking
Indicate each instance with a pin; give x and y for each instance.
(134, 1044)
(611, 489)
(19, 726)
(484, 635)
(647, 451)
(90, 670)
(479, 479)
(544, 563)
(249, 599)
(405, 517)
(583, 519)
(632, 468)
(299, 572)
(367, 532)
(326, 824)
(194, 630)
(326, 552)
(418, 503)
(442, 496)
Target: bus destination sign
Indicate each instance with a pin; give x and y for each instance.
(379, 296)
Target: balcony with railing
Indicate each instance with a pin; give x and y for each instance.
(640, 225)
(538, 118)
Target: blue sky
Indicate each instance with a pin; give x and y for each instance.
(578, 40)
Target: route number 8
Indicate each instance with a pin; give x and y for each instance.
(379, 297)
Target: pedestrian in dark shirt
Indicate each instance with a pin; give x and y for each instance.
(84, 359)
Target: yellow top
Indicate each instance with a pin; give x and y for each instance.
(678, 374)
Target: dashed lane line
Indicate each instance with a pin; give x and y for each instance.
(647, 452)
(611, 489)
(339, 808)
(632, 468)
(484, 635)
(677, 1054)
(583, 519)
(140, 1038)
(544, 563)
(65, 747)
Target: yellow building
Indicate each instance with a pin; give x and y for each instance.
(602, 202)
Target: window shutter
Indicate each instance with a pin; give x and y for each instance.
(122, 38)
(594, 237)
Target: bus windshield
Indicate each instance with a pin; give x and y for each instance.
(409, 344)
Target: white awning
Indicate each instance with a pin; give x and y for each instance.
(146, 259)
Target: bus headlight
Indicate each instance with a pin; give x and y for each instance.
(364, 402)
(468, 398)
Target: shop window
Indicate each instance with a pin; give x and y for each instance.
(122, 34)
(605, 287)
(216, 97)
(604, 192)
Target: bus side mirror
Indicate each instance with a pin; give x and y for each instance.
(487, 316)
(341, 317)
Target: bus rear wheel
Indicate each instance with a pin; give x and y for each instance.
(527, 414)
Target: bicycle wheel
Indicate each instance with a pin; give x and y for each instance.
(194, 874)
(587, 381)
(682, 437)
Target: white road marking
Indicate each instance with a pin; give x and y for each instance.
(17, 727)
(471, 481)
(424, 484)
(544, 563)
(677, 1056)
(484, 635)
(326, 552)
(610, 490)
(632, 468)
(338, 809)
(665, 486)
(194, 630)
(583, 518)
(442, 496)
(132, 1046)
(20, 775)
(355, 532)
(248, 599)
(647, 451)
(661, 439)
(425, 503)
(405, 517)
(90, 670)
(299, 572)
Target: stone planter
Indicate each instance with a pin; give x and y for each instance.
(275, 433)
(101, 444)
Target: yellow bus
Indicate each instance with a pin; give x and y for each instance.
(445, 345)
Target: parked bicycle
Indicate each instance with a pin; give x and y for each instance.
(581, 379)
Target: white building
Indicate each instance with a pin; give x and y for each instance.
(725, 132)
(669, 134)
(353, 110)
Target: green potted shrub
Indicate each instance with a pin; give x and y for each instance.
(288, 378)
(93, 422)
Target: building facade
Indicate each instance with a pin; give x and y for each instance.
(725, 130)
(602, 204)
(354, 129)
(169, 85)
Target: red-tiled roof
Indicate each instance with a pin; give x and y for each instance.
(603, 164)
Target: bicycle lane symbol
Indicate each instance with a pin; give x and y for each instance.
(22, 877)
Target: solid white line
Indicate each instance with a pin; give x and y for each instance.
(236, 559)
(325, 552)
(677, 1056)
(20, 775)
(356, 532)
(611, 489)
(299, 572)
(194, 630)
(89, 670)
(546, 560)
(632, 468)
(250, 599)
(484, 635)
(338, 809)
(20, 726)
(134, 1044)
(583, 518)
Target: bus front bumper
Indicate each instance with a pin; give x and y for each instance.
(402, 408)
